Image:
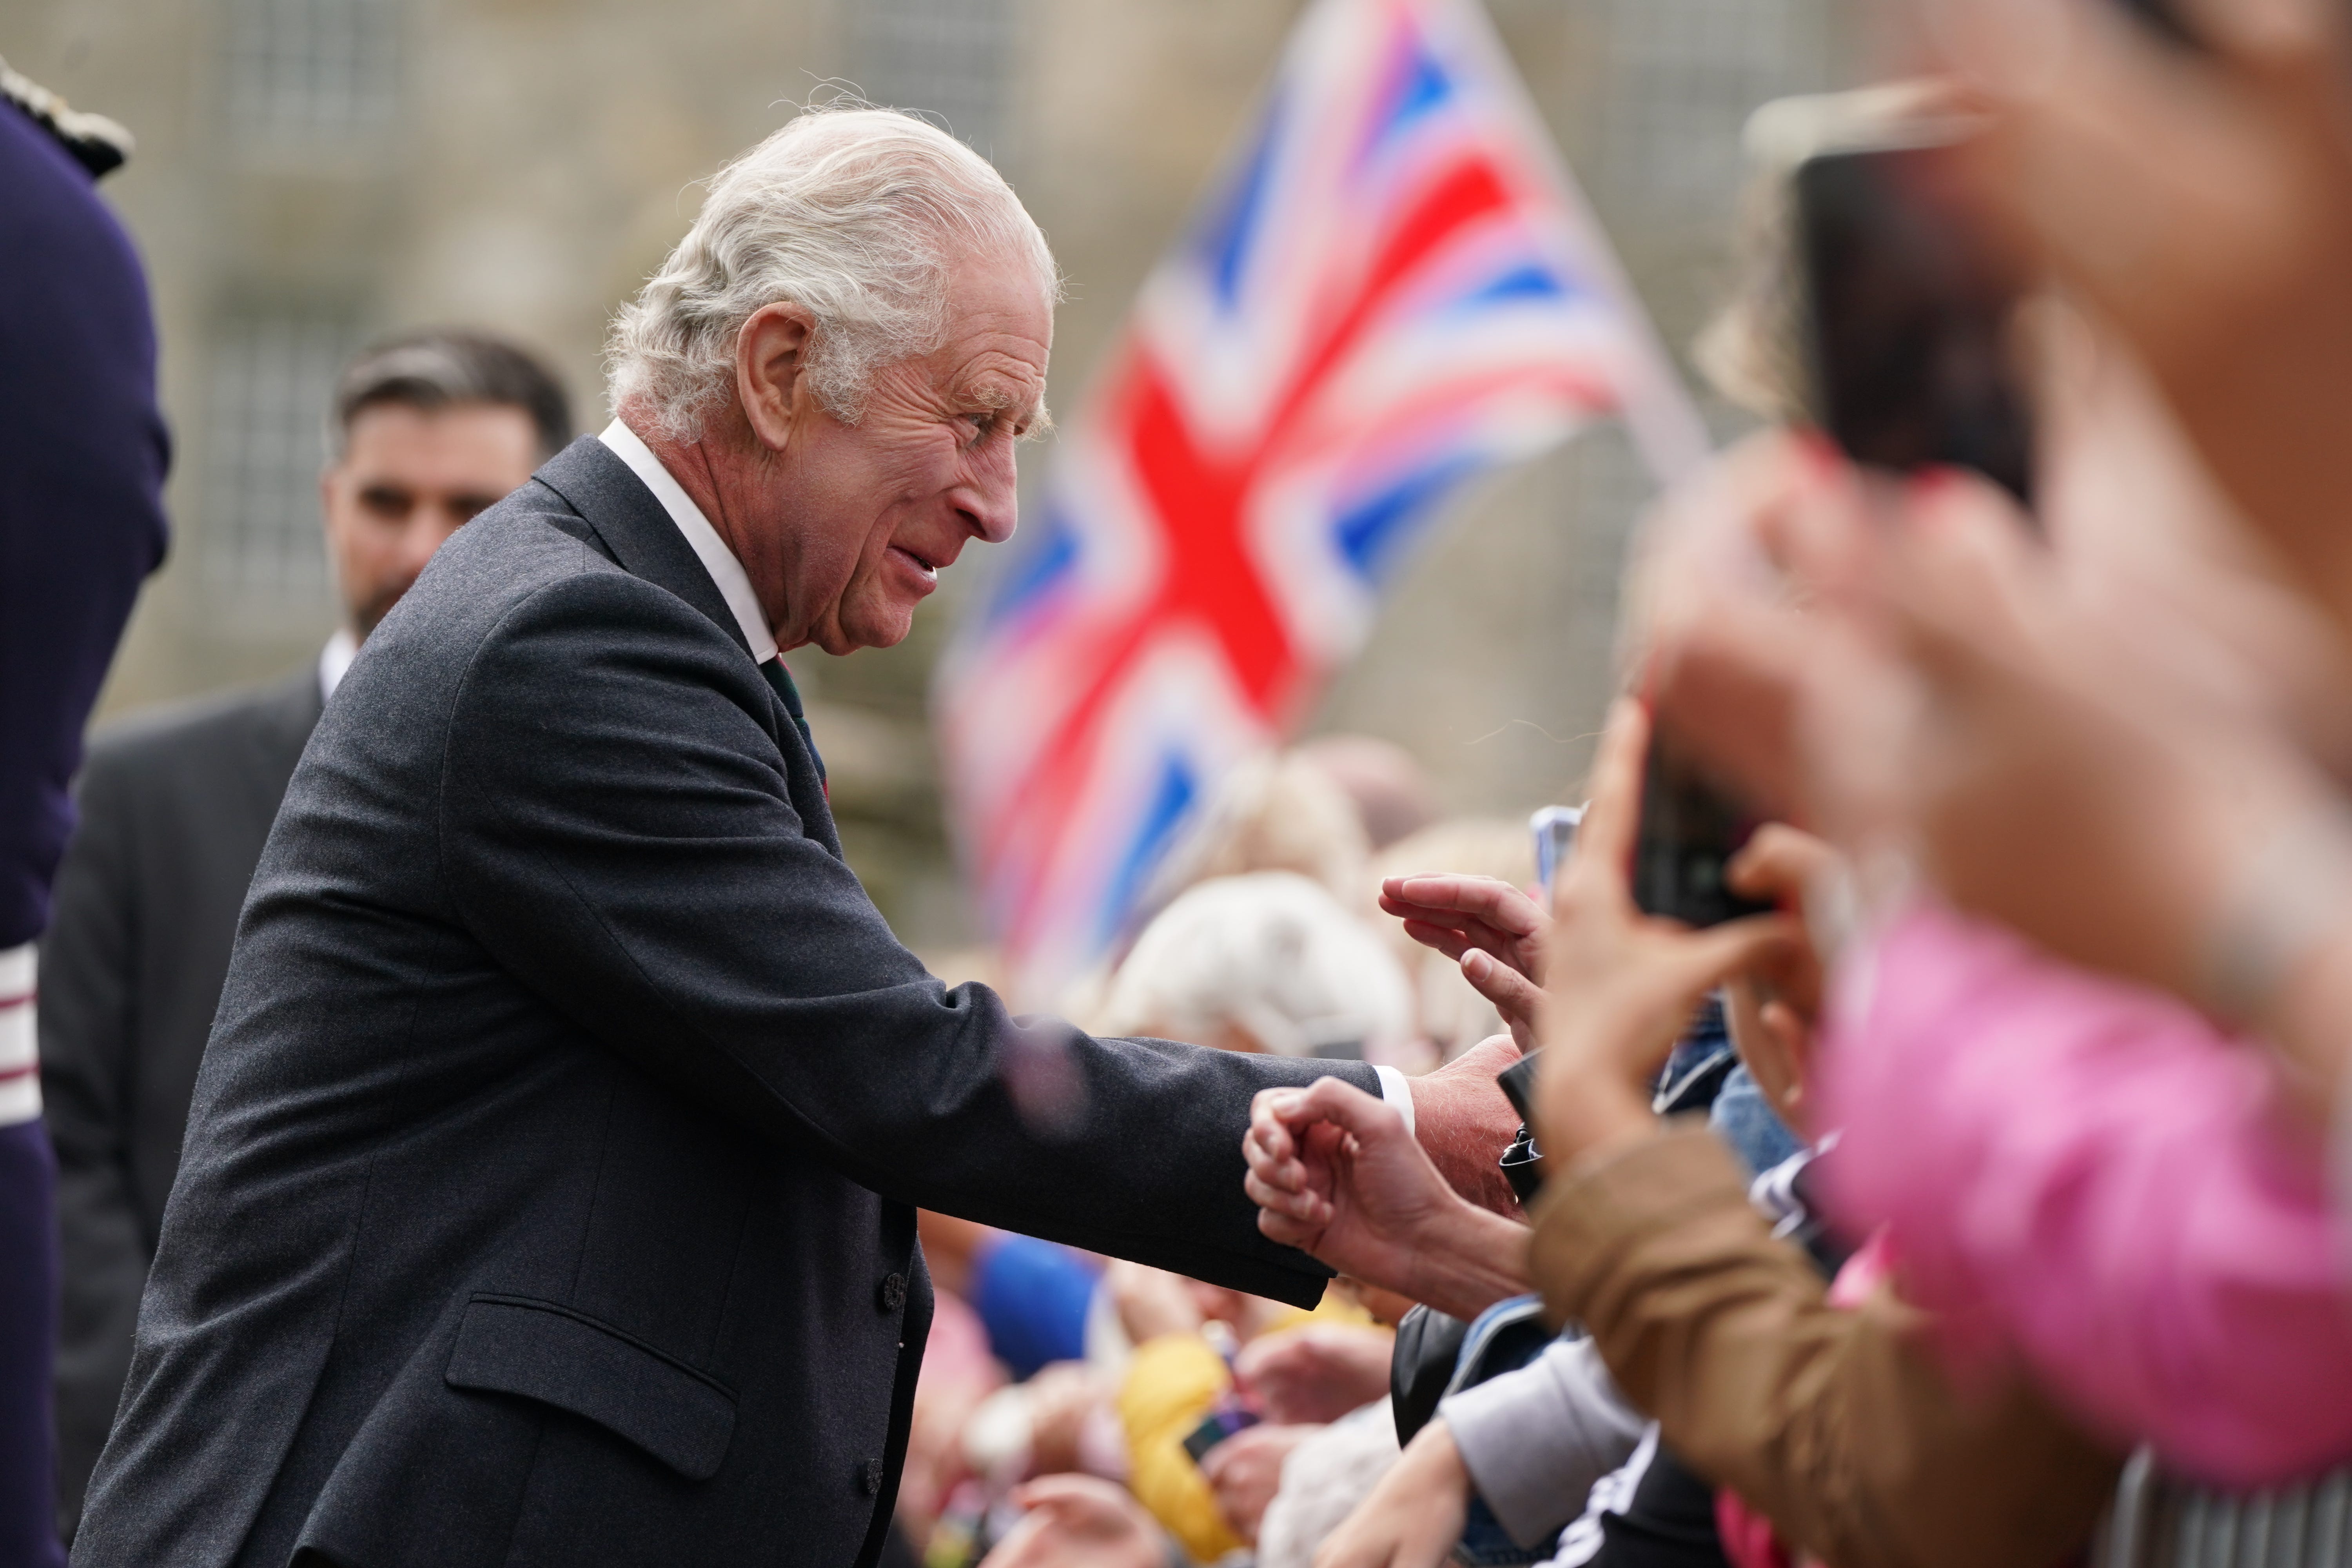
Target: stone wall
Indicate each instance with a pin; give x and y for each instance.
(314, 171)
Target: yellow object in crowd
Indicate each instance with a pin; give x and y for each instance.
(1172, 1384)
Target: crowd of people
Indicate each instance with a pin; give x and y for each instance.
(491, 1123)
(2024, 1165)
(1064, 1384)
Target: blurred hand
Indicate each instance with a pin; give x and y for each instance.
(1414, 1517)
(1078, 1521)
(1151, 1301)
(1334, 1173)
(1751, 663)
(1244, 1471)
(2058, 785)
(1784, 866)
(1913, 673)
(1772, 1012)
(2202, 202)
(1492, 929)
(1318, 1372)
(1061, 1396)
(1622, 984)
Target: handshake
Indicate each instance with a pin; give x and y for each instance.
(1605, 988)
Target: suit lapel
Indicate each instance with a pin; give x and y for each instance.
(615, 503)
(622, 513)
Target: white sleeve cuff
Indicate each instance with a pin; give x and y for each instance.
(1398, 1091)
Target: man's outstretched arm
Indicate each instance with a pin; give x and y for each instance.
(618, 831)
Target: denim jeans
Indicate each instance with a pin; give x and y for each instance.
(1742, 1118)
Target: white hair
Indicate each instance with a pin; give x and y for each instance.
(1273, 954)
(852, 213)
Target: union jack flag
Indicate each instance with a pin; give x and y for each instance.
(1395, 286)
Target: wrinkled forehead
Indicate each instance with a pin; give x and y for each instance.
(998, 338)
(1003, 288)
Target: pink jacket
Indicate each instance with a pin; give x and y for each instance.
(2092, 1175)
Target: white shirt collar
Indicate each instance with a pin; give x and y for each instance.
(334, 659)
(734, 584)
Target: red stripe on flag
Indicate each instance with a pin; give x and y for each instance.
(1199, 502)
(1468, 192)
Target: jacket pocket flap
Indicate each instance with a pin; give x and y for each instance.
(544, 1352)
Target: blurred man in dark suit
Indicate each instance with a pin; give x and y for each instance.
(427, 429)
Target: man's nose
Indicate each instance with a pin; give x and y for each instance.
(992, 506)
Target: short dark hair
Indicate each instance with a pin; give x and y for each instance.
(437, 368)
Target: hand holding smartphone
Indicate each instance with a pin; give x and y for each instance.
(1912, 344)
(1227, 1420)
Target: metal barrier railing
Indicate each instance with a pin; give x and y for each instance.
(2161, 1522)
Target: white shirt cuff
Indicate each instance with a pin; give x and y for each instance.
(1396, 1091)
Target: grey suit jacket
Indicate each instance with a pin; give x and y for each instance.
(547, 1194)
(174, 807)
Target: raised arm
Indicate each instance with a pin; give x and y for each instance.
(1839, 1426)
(2165, 1255)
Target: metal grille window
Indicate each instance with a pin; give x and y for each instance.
(305, 70)
(946, 58)
(272, 375)
(1685, 74)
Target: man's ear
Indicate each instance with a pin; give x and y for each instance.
(771, 353)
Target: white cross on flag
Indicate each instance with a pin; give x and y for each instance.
(1395, 286)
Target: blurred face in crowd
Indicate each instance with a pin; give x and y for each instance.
(844, 529)
(410, 478)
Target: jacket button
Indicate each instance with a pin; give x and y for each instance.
(869, 1477)
(894, 1292)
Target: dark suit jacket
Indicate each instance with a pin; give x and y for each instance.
(548, 1192)
(174, 807)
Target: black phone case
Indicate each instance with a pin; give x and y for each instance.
(1910, 319)
(1682, 852)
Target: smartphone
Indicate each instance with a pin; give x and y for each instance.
(1911, 343)
(1219, 1423)
(1554, 827)
(1690, 828)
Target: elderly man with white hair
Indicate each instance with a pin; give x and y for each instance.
(549, 1191)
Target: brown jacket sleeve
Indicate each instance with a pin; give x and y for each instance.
(1838, 1425)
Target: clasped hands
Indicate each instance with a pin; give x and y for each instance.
(1604, 988)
